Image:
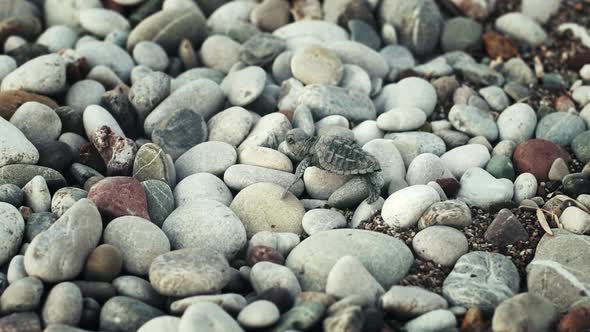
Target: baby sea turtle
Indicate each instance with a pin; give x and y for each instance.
(334, 154)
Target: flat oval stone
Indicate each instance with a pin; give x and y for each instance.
(390, 159)
(460, 159)
(94, 117)
(261, 208)
(425, 168)
(220, 52)
(536, 156)
(317, 65)
(411, 301)
(266, 157)
(103, 264)
(63, 305)
(401, 119)
(99, 53)
(517, 123)
(151, 55)
(473, 121)
(230, 126)
(581, 146)
(321, 30)
(209, 157)
(409, 92)
(37, 122)
(358, 54)
(521, 28)
(21, 174)
(119, 196)
(22, 295)
(481, 279)
(208, 225)
(37, 195)
(356, 78)
(453, 213)
(267, 275)
(440, 244)
(83, 94)
(312, 270)
(245, 85)
(139, 241)
(230, 302)
(202, 96)
(560, 127)
(325, 100)
(180, 132)
(259, 314)
(15, 148)
(152, 163)
(101, 22)
(138, 288)
(318, 220)
(194, 74)
(201, 186)
(189, 271)
(412, 144)
(12, 230)
(60, 252)
(45, 74)
(123, 313)
(404, 207)
(239, 177)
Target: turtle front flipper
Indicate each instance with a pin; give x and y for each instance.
(375, 181)
(305, 163)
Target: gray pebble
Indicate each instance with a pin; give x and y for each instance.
(207, 314)
(151, 55)
(101, 22)
(522, 28)
(560, 127)
(495, 97)
(259, 314)
(11, 194)
(123, 313)
(220, 52)
(441, 244)
(109, 55)
(265, 275)
(16, 269)
(12, 231)
(83, 94)
(238, 177)
(63, 305)
(138, 288)
(37, 195)
(319, 220)
(517, 123)
(146, 93)
(57, 37)
(199, 186)
(473, 121)
(45, 74)
(349, 277)
(411, 301)
(22, 295)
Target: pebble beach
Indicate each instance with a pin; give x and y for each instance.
(147, 183)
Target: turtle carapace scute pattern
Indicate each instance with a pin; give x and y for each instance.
(334, 154)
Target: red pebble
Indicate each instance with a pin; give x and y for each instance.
(536, 156)
(119, 196)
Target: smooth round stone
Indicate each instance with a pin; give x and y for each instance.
(208, 157)
(479, 188)
(399, 59)
(14, 146)
(261, 48)
(138, 288)
(146, 93)
(412, 144)
(197, 74)
(59, 253)
(95, 117)
(207, 314)
(348, 278)
(266, 275)
(404, 207)
(504, 148)
(401, 119)
(325, 100)
(460, 34)
(266, 157)
(558, 170)
(495, 97)
(230, 126)
(424, 168)
(11, 194)
(312, 270)
(37, 195)
(189, 271)
(22, 295)
(452, 213)
(460, 159)
(202, 96)
(99, 53)
(207, 225)
(411, 301)
(243, 86)
(356, 78)
(101, 22)
(320, 184)
(228, 12)
(355, 53)
(230, 302)
(238, 177)
(180, 132)
(199, 186)
(63, 305)
(536, 156)
(412, 92)
(259, 314)
(318, 220)
(441, 244)
(282, 242)
(270, 15)
(575, 220)
(119, 196)
(220, 52)
(84, 93)
(501, 167)
(56, 38)
(45, 75)
(473, 121)
(517, 123)
(12, 230)
(525, 311)
(7, 65)
(152, 163)
(103, 264)
(162, 323)
(37, 122)
(560, 127)
(65, 198)
(138, 240)
(261, 208)
(20, 174)
(366, 131)
(521, 28)
(151, 55)
(581, 146)
(160, 200)
(436, 319)
(474, 283)
(67, 12)
(281, 67)
(389, 157)
(316, 65)
(123, 313)
(16, 269)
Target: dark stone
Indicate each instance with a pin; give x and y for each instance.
(90, 314)
(554, 81)
(119, 196)
(27, 52)
(117, 152)
(100, 291)
(501, 167)
(3, 282)
(279, 296)
(37, 223)
(536, 156)
(55, 154)
(517, 91)
(374, 320)
(144, 10)
(357, 10)
(450, 186)
(364, 33)
(77, 66)
(22, 321)
(160, 200)
(21, 174)
(264, 254)
(81, 173)
(123, 313)
(576, 184)
(11, 194)
(261, 49)
(116, 101)
(506, 229)
(180, 132)
(71, 120)
(90, 157)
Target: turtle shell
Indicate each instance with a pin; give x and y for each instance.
(343, 156)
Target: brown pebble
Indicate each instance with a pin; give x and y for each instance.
(498, 46)
(10, 101)
(97, 290)
(103, 264)
(187, 54)
(577, 320)
(264, 254)
(450, 186)
(474, 321)
(281, 297)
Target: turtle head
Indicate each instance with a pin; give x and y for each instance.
(298, 143)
